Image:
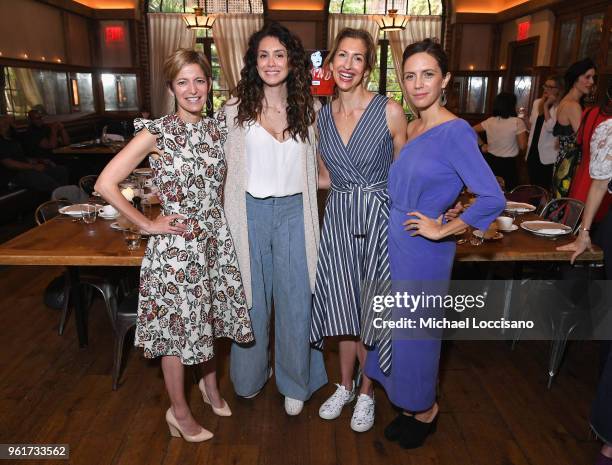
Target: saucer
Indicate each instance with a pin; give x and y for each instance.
(109, 217)
(512, 228)
(480, 235)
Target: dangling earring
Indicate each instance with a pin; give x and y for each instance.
(443, 98)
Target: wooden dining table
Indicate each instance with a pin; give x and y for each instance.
(63, 241)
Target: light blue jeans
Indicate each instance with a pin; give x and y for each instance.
(278, 270)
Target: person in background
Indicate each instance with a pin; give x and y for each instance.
(30, 173)
(579, 81)
(190, 290)
(360, 133)
(591, 118)
(600, 168)
(506, 137)
(271, 206)
(439, 159)
(41, 138)
(542, 148)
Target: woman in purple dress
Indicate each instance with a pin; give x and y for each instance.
(440, 157)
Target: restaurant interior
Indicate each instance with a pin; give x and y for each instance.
(81, 71)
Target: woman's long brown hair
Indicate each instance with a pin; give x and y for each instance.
(300, 103)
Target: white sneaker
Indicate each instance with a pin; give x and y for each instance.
(363, 415)
(293, 406)
(332, 407)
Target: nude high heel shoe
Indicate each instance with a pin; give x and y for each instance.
(175, 430)
(224, 411)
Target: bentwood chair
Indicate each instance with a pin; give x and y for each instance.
(48, 210)
(530, 193)
(87, 183)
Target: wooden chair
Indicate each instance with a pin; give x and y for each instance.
(530, 193)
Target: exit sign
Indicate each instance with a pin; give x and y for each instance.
(523, 30)
(113, 34)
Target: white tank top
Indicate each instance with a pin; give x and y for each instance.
(274, 169)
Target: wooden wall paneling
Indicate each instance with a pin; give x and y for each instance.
(457, 44)
(496, 33)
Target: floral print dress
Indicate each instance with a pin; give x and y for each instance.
(190, 285)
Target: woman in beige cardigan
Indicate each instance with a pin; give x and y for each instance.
(271, 209)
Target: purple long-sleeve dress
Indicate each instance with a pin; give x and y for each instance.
(429, 175)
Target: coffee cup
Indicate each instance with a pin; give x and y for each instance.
(504, 222)
(109, 210)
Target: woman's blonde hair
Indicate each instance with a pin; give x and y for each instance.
(182, 57)
(365, 37)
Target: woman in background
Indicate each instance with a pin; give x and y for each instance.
(360, 132)
(190, 286)
(542, 148)
(271, 205)
(439, 159)
(579, 81)
(506, 136)
(600, 168)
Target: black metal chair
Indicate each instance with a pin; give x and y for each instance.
(49, 210)
(565, 211)
(125, 319)
(87, 183)
(530, 193)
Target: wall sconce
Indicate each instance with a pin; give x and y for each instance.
(75, 92)
(471, 67)
(59, 60)
(25, 55)
(502, 67)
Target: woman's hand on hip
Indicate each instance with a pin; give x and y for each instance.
(424, 226)
(166, 224)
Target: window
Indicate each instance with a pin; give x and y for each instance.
(219, 92)
(377, 7)
(383, 78)
(120, 92)
(56, 93)
(211, 6)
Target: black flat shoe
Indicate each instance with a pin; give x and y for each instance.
(393, 430)
(414, 434)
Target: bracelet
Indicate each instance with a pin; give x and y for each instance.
(585, 229)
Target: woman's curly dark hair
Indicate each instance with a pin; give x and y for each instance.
(300, 103)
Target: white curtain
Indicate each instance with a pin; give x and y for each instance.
(231, 34)
(167, 32)
(419, 28)
(29, 86)
(338, 21)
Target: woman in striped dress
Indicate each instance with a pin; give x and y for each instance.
(359, 134)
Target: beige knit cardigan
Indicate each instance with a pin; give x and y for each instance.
(235, 196)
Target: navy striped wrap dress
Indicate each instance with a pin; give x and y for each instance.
(353, 248)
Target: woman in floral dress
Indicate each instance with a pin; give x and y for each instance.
(190, 286)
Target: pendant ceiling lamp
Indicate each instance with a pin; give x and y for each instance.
(199, 19)
(392, 21)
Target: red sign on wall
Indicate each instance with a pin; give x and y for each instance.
(523, 30)
(113, 34)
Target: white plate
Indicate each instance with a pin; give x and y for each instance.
(479, 234)
(546, 228)
(512, 228)
(75, 210)
(519, 207)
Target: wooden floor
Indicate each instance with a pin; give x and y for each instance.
(495, 409)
